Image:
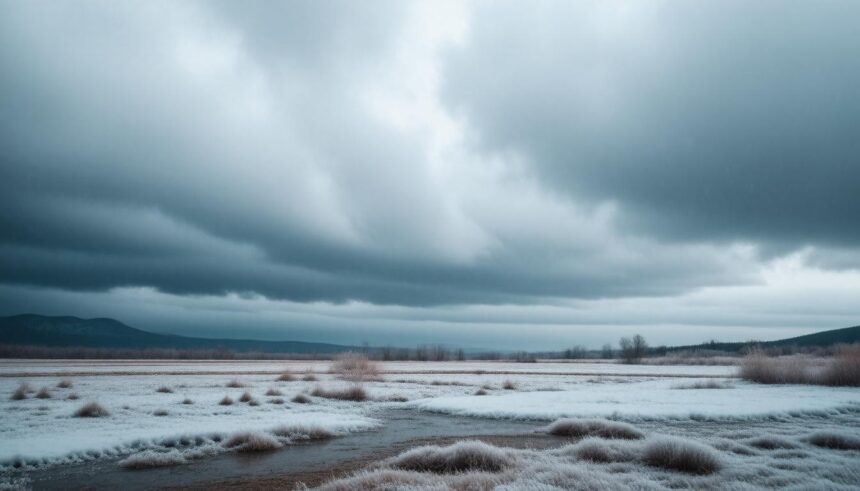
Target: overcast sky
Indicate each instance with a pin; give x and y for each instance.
(493, 174)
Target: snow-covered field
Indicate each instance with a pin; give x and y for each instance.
(40, 432)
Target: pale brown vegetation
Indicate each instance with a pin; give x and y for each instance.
(682, 455)
(581, 428)
(91, 410)
(355, 366)
(352, 393)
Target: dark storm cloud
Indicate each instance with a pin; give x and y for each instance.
(705, 120)
(203, 148)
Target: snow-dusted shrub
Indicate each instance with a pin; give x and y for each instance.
(301, 399)
(481, 392)
(705, 384)
(226, 401)
(465, 456)
(302, 432)
(355, 366)
(91, 410)
(251, 441)
(160, 412)
(844, 369)
(43, 393)
(509, 385)
(64, 384)
(758, 367)
(73, 396)
(580, 428)
(187, 401)
(274, 392)
(246, 397)
(388, 479)
(164, 390)
(309, 376)
(771, 443)
(838, 441)
(682, 455)
(149, 459)
(600, 450)
(235, 384)
(253, 402)
(276, 400)
(285, 377)
(21, 392)
(352, 393)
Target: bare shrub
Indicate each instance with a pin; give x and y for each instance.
(91, 410)
(481, 392)
(160, 412)
(581, 428)
(352, 393)
(226, 401)
(844, 369)
(64, 384)
(771, 443)
(309, 376)
(301, 399)
(355, 366)
(187, 401)
(705, 384)
(274, 392)
(249, 441)
(246, 397)
(285, 377)
(43, 393)
(150, 459)
(460, 457)
(835, 441)
(235, 384)
(682, 455)
(20, 393)
(164, 390)
(73, 397)
(509, 385)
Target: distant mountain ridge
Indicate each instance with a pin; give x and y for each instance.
(823, 339)
(68, 331)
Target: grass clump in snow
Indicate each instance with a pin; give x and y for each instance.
(226, 401)
(164, 390)
(771, 443)
(151, 459)
(274, 392)
(682, 455)
(836, 441)
(301, 399)
(509, 385)
(21, 392)
(64, 384)
(276, 400)
(187, 401)
(301, 432)
(352, 393)
(481, 392)
(160, 412)
(468, 456)
(246, 397)
(309, 376)
(705, 384)
(285, 377)
(581, 428)
(355, 366)
(43, 393)
(73, 396)
(842, 370)
(250, 441)
(602, 451)
(235, 384)
(91, 410)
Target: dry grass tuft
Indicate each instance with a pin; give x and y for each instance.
(835, 441)
(226, 401)
(355, 366)
(705, 384)
(844, 370)
(246, 397)
(285, 377)
(187, 401)
(303, 432)
(276, 400)
(73, 397)
(581, 428)
(468, 456)
(249, 441)
(274, 392)
(771, 443)
(481, 392)
(64, 384)
(164, 390)
(509, 385)
(301, 399)
(309, 376)
(43, 393)
(253, 402)
(91, 410)
(150, 459)
(352, 393)
(160, 412)
(20, 393)
(235, 384)
(600, 450)
(682, 455)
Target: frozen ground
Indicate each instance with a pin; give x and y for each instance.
(39, 433)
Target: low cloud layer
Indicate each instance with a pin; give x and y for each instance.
(419, 160)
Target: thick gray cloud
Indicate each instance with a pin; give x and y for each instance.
(413, 156)
(705, 120)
